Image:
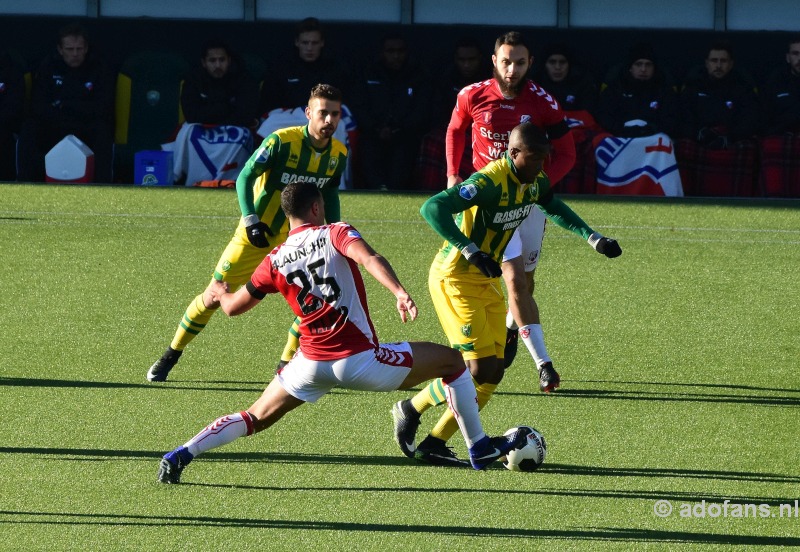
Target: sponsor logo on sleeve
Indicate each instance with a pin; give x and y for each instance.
(262, 155)
(468, 191)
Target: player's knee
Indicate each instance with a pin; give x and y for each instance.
(453, 363)
(485, 370)
(258, 421)
(493, 377)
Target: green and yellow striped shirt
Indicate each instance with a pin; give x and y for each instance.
(287, 156)
(489, 206)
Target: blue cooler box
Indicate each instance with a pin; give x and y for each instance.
(153, 168)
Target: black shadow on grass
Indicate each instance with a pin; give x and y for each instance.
(273, 457)
(693, 385)
(47, 382)
(322, 459)
(673, 496)
(90, 453)
(791, 396)
(616, 394)
(594, 471)
(179, 385)
(610, 534)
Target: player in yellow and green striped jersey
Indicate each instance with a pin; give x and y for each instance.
(303, 153)
(464, 279)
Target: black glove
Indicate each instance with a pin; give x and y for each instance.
(257, 234)
(607, 246)
(488, 266)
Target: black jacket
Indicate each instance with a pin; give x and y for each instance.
(782, 102)
(290, 82)
(577, 92)
(728, 105)
(230, 100)
(400, 100)
(626, 99)
(12, 95)
(73, 98)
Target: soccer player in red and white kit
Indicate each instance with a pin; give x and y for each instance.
(492, 108)
(316, 270)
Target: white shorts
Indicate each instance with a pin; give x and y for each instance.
(526, 242)
(382, 369)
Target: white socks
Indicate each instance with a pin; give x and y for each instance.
(463, 402)
(533, 337)
(221, 432)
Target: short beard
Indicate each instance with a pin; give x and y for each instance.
(510, 90)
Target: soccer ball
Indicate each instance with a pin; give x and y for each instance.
(529, 456)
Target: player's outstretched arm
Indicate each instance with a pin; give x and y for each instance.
(380, 269)
(560, 213)
(236, 303)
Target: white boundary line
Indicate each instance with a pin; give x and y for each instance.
(379, 221)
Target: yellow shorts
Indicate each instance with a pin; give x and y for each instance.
(473, 315)
(241, 258)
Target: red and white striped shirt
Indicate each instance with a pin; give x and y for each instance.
(323, 287)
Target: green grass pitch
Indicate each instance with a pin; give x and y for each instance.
(680, 382)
